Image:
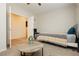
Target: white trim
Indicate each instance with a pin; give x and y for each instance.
(2, 50)
(10, 25)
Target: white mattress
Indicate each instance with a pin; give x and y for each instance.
(55, 40)
(72, 44)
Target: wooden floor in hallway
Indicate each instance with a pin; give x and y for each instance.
(15, 42)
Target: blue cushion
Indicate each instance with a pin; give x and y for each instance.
(71, 31)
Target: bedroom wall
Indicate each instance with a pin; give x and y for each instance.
(56, 21)
(77, 17)
(18, 28)
(2, 26)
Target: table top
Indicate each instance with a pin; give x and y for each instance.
(30, 47)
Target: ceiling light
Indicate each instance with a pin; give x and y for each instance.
(37, 4)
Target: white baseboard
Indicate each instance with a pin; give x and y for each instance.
(2, 50)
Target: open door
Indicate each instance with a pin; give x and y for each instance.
(18, 30)
(31, 26)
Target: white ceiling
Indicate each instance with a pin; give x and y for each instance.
(45, 7)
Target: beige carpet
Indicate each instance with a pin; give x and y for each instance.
(48, 50)
(10, 52)
(52, 50)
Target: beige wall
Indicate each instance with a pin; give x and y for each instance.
(56, 21)
(18, 26)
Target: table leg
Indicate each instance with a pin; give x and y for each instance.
(24, 53)
(78, 47)
(21, 53)
(42, 51)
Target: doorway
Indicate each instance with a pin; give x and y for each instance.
(18, 29)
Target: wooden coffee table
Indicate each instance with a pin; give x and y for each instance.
(30, 48)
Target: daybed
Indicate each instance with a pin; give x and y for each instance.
(60, 41)
(70, 40)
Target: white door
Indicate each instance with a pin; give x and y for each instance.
(31, 26)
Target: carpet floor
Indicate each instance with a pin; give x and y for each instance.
(52, 50)
(48, 50)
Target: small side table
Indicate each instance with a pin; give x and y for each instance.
(30, 48)
(78, 47)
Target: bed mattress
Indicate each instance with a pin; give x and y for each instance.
(55, 40)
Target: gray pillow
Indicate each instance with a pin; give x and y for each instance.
(71, 38)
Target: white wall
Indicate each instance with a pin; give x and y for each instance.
(77, 12)
(77, 17)
(56, 21)
(2, 26)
